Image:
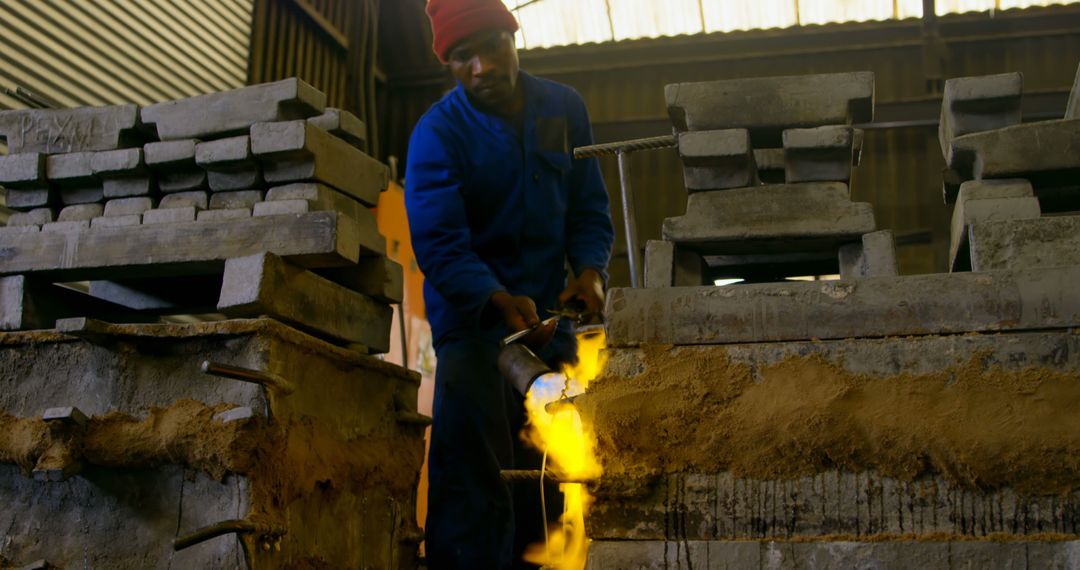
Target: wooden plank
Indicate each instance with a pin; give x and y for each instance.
(264, 284)
(317, 239)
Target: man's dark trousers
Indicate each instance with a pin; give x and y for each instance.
(476, 520)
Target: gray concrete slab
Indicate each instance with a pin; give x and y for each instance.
(1072, 108)
(343, 125)
(70, 130)
(127, 206)
(1036, 151)
(264, 284)
(821, 154)
(66, 227)
(376, 276)
(1025, 244)
(123, 173)
(975, 104)
(878, 306)
(770, 219)
(297, 151)
(233, 112)
(174, 215)
(13, 231)
(173, 164)
(317, 239)
(319, 197)
(229, 164)
(239, 179)
(116, 221)
(121, 162)
(280, 207)
(128, 187)
(666, 265)
(71, 169)
(873, 256)
(25, 198)
(198, 199)
(35, 217)
(715, 160)
(223, 152)
(775, 103)
(237, 199)
(81, 212)
(225, 214)
(72, 176)
(969, 212)
(26, 170)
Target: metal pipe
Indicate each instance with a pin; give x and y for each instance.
(237, 526)
(609, 149)
(629, 218)
(520, 366)
(552, 407)
(535, 475)
(266, 379)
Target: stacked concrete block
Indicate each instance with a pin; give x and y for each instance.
(1008, 175)
(126, 203)
(877, 420)
(165, 211)
(982, 137)
(795, 135)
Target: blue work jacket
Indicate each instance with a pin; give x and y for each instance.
(490, 210)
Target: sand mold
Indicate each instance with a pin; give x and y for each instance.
(692, 409)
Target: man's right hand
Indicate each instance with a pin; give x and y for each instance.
(519, 313)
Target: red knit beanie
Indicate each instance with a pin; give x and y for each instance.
(455, 20)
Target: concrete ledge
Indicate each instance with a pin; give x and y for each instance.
(772, 102)
(782, 218)
(318, 239)
(873, 307)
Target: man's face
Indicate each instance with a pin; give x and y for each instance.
(486, 64)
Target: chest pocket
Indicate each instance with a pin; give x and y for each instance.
(553, 143)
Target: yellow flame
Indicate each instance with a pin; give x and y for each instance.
(571, 452)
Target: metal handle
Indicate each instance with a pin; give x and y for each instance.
(270, 381)
(237, 526)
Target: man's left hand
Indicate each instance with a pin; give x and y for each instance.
(588, 290)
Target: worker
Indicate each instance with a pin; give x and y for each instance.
(505, 225)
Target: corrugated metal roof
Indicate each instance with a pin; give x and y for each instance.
(78, 52)
(550, 23)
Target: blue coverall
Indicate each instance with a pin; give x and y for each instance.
(493, 209)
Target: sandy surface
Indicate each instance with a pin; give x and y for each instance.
(696, 411)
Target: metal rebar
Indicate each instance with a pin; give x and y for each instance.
(609, 149)
(633, 255)
(237, 526)
(534, 475)
(270, 381)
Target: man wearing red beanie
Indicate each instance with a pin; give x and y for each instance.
(498, 211)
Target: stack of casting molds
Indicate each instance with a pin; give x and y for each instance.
(272, 439)
(1010, 176)
(767, 164)
(247, 202)
(889, 422)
